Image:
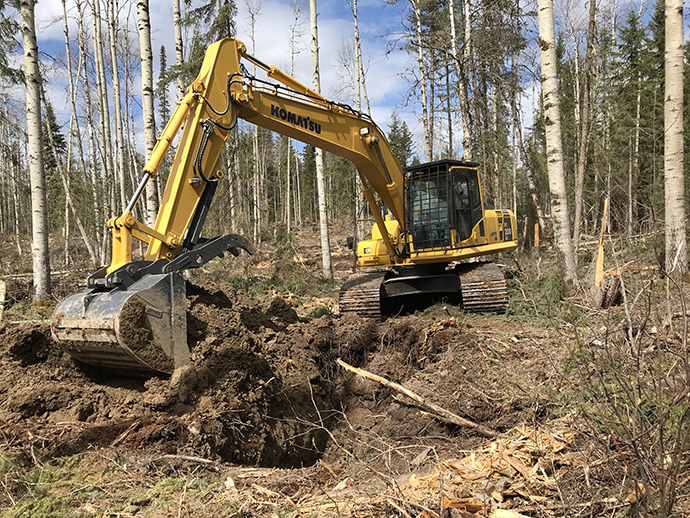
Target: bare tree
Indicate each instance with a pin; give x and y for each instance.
(554, 148)
(90, 129)
(464, 82)
(179, 48)
(295, 34)
(117, 102)
(428, 131)
(361, 78)
(584, 123)
(39, 208)
(103, 111)
(676, 250)
(320, 184)
(147, 102)
(253, 10)
(72, 89)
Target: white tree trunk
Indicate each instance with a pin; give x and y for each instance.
(464, 90)
(72, 88)
(39, 208)
(676, 251)
(179, 47)
(584, 128)
(147, 102)
(320, 185)
(554, 149)
(64, 170)
(428, 136)
(117, 102)
(360, 63)
(90, 130)
(103, 112)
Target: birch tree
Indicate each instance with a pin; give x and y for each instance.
(119, 135)
(320, 184)
(584, 123)
(179, 47)
(554, 148)
(295, 34)
(428, 131)
(147, 102)
(39, 209)
(676, 251)
(105, 140)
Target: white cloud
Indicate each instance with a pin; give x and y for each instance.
(385, 86)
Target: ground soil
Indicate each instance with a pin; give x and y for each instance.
(264, 391)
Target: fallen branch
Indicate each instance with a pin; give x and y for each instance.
(432, 408)
(187, 458)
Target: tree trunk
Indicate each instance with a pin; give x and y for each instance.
(117, 102)
(64, 170)
(39, 207)
(179, 47)
(676, 251)
(584, 133)
(90, 130)
(147, 102)
(428, 137)
(449, 113)
(72, 89)
(554, 149)
(634, 163)
(360, 63)
(464, 80)
(103, 111)
(320, 184)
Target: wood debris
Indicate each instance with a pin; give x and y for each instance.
(436, 411)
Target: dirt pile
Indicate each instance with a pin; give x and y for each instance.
(259, 390)
(264, 388)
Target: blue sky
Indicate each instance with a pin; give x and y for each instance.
(379, 25)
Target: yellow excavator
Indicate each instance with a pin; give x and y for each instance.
(132, 316)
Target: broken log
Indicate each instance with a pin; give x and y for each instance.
(446, 415)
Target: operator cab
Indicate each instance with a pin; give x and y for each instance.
(443, 204)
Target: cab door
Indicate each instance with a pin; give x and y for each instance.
(466, 203)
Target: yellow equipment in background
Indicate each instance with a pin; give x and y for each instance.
(132, 316)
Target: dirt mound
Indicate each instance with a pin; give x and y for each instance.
(264, 388)
(258, 391)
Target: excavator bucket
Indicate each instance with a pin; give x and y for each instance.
(133, 320)
(138, 330)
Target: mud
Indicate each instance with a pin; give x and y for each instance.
(136, 335)
(264, 388)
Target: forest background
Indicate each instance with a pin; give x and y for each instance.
(445, 80)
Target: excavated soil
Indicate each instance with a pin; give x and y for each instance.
(264, 387)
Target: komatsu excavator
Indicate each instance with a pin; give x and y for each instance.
(132, 316)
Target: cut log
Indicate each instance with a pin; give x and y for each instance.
(446, 415)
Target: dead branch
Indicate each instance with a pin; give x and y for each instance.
(187, 458)
(432, 408)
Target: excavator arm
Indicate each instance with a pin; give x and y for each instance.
(222, 93)
(132, 316)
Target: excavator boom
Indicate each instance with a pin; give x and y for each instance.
(131, 317)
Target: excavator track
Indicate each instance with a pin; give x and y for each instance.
(482, 287)
(362, 293)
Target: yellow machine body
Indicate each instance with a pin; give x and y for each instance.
(131, 317)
